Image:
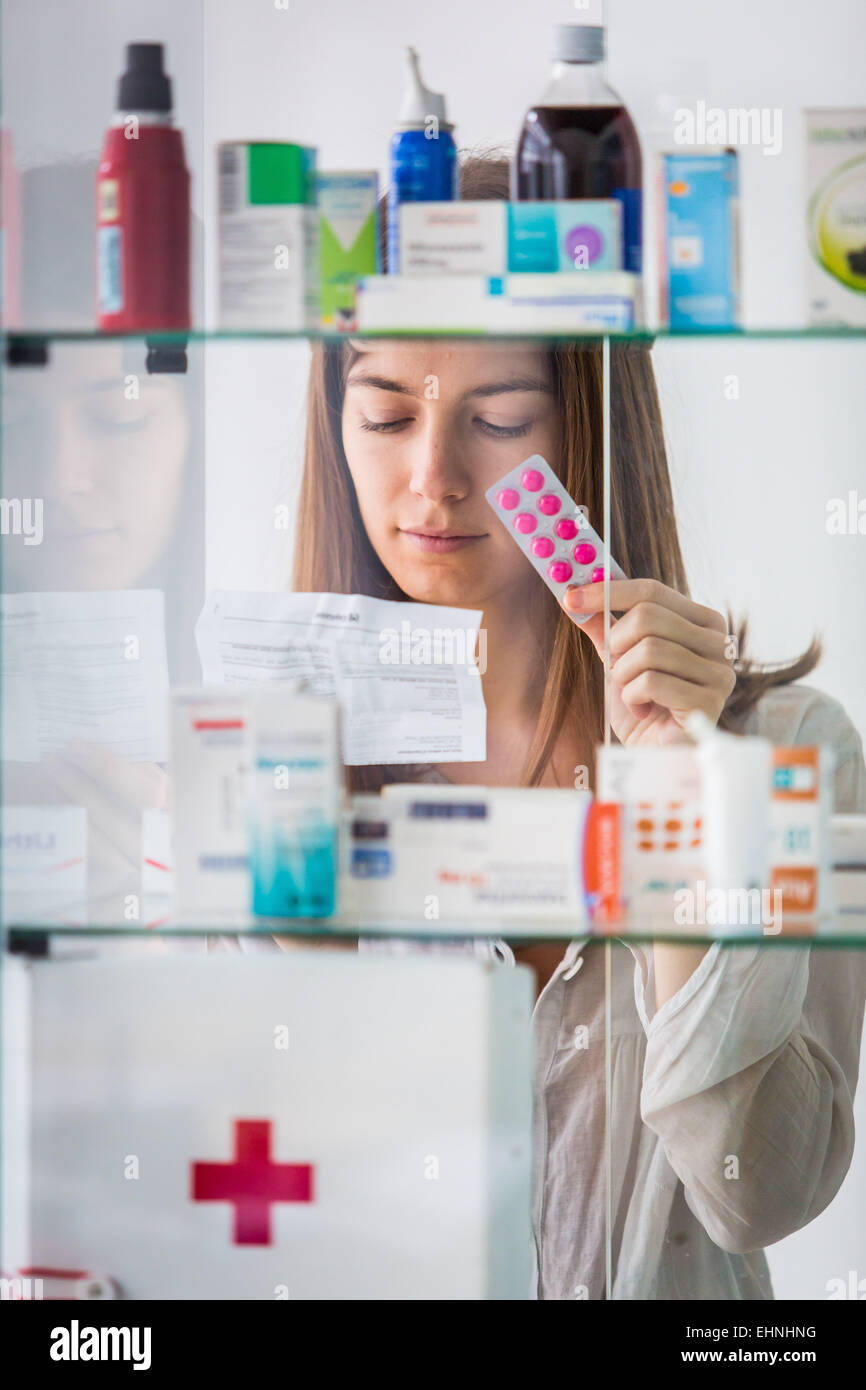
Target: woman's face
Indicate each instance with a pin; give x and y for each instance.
(104, 451)
(427, 429)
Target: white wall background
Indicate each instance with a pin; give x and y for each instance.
(752, 475)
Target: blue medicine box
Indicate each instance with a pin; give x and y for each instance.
(700, 204)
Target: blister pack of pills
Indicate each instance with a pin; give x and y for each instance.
(551, 529)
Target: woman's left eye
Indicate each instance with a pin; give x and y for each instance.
(503, 431)
(383, 426)
(102, 420)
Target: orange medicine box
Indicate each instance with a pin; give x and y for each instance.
(800, 809)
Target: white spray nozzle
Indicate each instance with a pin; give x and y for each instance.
(419, 103)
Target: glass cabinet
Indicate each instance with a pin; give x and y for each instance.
(393, 1100)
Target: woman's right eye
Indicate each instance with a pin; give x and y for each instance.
(384, 426)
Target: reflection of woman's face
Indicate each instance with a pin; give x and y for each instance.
(105, 452)
(427, 429)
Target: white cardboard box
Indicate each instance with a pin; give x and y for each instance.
(564, 302)
(396, 1089)
(469, 238)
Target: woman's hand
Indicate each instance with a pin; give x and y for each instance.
(668, 657)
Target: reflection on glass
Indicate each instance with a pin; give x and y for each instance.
(102, 569)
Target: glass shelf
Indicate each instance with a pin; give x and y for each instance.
(841, 929)
(40, 336)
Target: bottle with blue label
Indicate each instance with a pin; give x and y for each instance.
(579, 141)
(423, 156)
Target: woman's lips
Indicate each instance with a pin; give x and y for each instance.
(84, 533)
(439, 543)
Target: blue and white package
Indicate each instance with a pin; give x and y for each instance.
(700, 273)
(294, 810)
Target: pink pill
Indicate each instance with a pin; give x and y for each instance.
(549, 504)
(584, 553)
(542, 546)
(597, 576)
(532, 480)
(566, 529)
(559, 571)
(508, 499)
(524, 523)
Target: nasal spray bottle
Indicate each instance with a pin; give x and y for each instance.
(143, 209)
(423, 156)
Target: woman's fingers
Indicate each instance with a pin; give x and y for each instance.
(674, 659)
(653, 620)
(674, 693)
(650, 620)
(668, 655)
(626, 594)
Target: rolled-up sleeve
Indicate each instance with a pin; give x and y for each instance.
(749, 1082)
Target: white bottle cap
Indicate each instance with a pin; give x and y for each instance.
(419, 104)
(699, 727)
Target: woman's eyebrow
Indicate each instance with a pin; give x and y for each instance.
(492, 388)
(513, 383)
(381, 383)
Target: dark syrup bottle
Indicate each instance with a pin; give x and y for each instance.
(579, 141)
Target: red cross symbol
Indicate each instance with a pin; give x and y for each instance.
(251, 1182)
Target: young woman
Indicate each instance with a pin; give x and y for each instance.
(732, 1071)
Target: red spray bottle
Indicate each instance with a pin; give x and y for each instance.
(10, 235)
(143, 212)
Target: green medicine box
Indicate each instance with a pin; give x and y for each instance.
(280, 173)
(348, 241)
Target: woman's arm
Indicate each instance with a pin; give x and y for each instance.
(672, 967)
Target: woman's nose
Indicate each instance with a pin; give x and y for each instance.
(74, 466)
(439, 470)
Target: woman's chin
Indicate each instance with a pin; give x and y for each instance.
(446, 590)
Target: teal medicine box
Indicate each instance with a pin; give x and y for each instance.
(581, 234)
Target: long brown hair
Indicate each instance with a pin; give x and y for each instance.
(640, 488)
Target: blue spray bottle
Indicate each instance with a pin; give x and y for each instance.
(423, 156)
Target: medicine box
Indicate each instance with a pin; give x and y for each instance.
(467, 856)
(659, 792)
(836, 216)
(268, 237)
(582, 234)
(700, 274)
(593, 301)
(318, 1125)
(800, 812)
(455, 238)
(489, 237)
(848, 834)
(210, 752)
(295, 790)
(348, 241)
